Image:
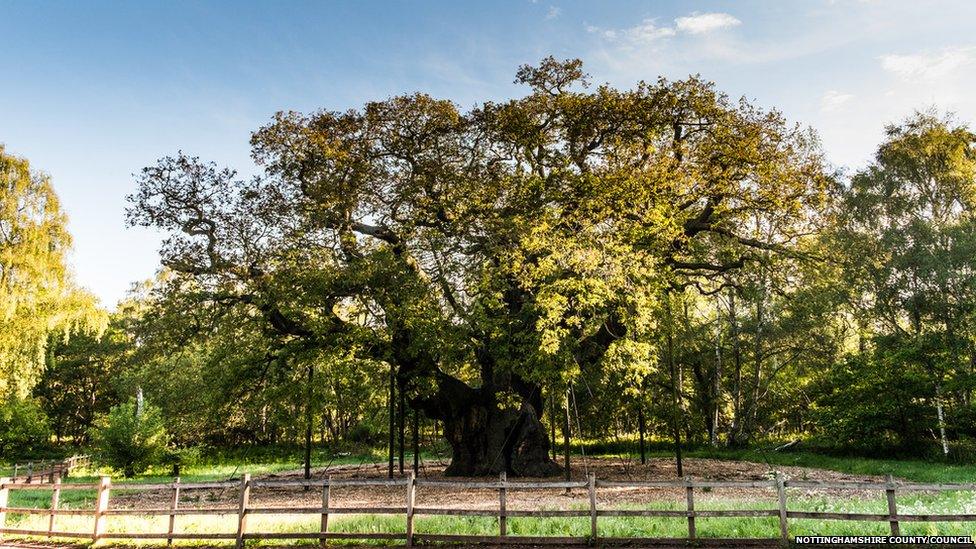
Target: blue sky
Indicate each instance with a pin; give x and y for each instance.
(91, 92)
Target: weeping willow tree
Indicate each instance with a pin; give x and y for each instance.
(38, 299)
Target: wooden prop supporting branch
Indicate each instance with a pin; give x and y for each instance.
(391, 400)
(401, 427)
(566, 432)
(642, 428)
(416, 442)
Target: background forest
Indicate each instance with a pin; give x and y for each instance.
(662, 264)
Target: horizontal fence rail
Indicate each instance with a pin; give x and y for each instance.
(409, 510)
(46, 471)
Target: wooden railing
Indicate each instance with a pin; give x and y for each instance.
(409, 510)
(45, 471)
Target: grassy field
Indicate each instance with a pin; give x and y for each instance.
(229, 465)
(226, 466)
(908, 469)
(577, 527)
(913, 470)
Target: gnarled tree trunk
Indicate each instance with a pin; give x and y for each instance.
(486, 437)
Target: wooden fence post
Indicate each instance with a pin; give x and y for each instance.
(326, 500)
(55, 499)
(103, 511)
(30, 471)
(690, 491)
(101, 506)
(173, 506)
(502, 511)
(411, 495)
(781, 494)
(591, 488)
(242, 509)
(892, 506)
(4, 497)
(16, 467)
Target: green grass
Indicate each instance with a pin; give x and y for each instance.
(913, 470)
(916, 470)
(576, 527)
(220, 466)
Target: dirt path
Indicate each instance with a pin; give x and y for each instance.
(605, 468)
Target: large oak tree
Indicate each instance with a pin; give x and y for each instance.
(489, 256)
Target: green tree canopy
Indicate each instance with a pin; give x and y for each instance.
(486, 255)
(37, 295)
(909, 238)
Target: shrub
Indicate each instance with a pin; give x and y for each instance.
(961, 451)
(179, 458)
(877, 406)
(24, 428)
(130, 442)
(363, 433)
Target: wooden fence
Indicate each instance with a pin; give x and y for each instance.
(46, 471)
(409, 510)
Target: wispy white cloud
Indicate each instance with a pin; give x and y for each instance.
(699, 23)
(648, 31)
(833, 100)
(782, 59)
(643, 34)
(553, 12)
(929, 65)
(649, 46)
(649, 35)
